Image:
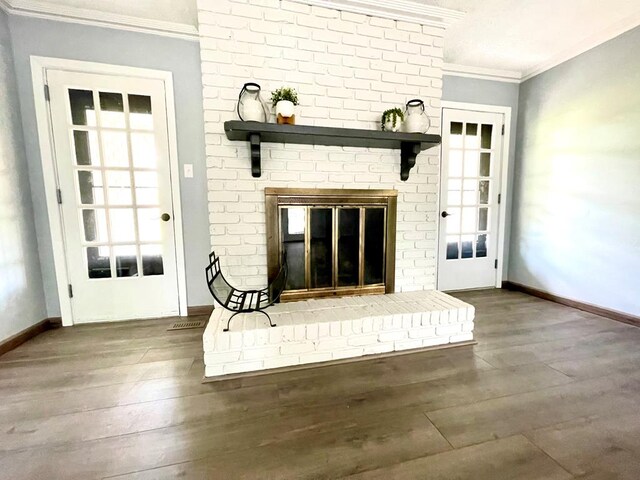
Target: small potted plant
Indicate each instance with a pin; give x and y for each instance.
(392, 120)
(284, 100)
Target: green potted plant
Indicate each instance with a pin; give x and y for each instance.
(392, 120)
(284, 100)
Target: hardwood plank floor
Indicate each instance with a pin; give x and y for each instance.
(549, 392)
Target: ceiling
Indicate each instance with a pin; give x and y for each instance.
(527, 35)
(509, 38)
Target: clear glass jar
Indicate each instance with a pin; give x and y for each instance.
(416, 119)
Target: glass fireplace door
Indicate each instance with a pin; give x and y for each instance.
(334, 248)
(321, 247)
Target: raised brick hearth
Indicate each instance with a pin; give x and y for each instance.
(337, 328)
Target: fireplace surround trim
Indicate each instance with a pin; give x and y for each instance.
(285, 197)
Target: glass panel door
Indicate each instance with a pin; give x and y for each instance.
(469, 199)
(110, 136)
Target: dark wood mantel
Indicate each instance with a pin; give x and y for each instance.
(409, 144)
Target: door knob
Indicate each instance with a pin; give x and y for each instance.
(445, 214)
(165, 217)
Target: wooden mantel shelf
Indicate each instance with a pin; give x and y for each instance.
(409, 144)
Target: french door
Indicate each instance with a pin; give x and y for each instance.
(469, 198)
(112, 160)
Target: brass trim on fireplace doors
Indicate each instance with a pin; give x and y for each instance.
(275, 198)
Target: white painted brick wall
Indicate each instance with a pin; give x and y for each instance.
(348, 69)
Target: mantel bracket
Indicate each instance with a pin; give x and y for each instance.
(254, 142)
(408, 153)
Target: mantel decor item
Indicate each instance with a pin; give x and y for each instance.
(284, 100)
(251, 107)
(392, 120)
(415, 117)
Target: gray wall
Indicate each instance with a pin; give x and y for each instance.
(487, 92)
(576, 218)
(181, 57)
(21, 293)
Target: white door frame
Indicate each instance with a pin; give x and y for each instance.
(39, 66)
(504, 175)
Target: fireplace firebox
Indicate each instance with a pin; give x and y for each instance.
(338, 241)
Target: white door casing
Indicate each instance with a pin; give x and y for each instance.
(128, 263)
(473, 179)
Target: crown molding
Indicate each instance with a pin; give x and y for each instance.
(585, 45)
(36, 9)
(496, 75)
(402, 10)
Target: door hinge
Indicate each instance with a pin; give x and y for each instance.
(499, 198)
(46, 92)
(70, 291)
(503, 129)
(59, 196)
(495, 265)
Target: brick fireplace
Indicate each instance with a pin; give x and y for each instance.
(347, 68)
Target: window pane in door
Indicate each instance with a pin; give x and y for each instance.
(126, 260)
(94, 222)
(321, 247)
(453, 252)
(481, 245)
(470, 193)
(87, 151)
(455, 163)
(374, 235)
(146, 188)
(112, 110)
(90, 186)
(486, 130)
(151, 260)
(122, 225)
(466, 249)
(348, 247)
(114, 146)
(140, 117)
(455, 139)
(469, 219)
(483, 218)
(471, 158)
(485, 164)
(293, 225)
(471, 139)
(98, 263)
(484, 192)
(453, 220)
(119, 187)
(143, 150)
(82, 107)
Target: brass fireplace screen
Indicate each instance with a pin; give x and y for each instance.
(338, 242)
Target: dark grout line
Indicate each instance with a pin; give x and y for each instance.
(439, 431)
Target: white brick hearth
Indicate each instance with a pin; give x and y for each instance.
(322, 330)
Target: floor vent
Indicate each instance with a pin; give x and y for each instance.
(188, 324)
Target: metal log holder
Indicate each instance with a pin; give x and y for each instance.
(244, 301)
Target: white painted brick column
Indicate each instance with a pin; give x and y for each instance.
(348, 69)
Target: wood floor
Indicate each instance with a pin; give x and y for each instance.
(548, 393)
